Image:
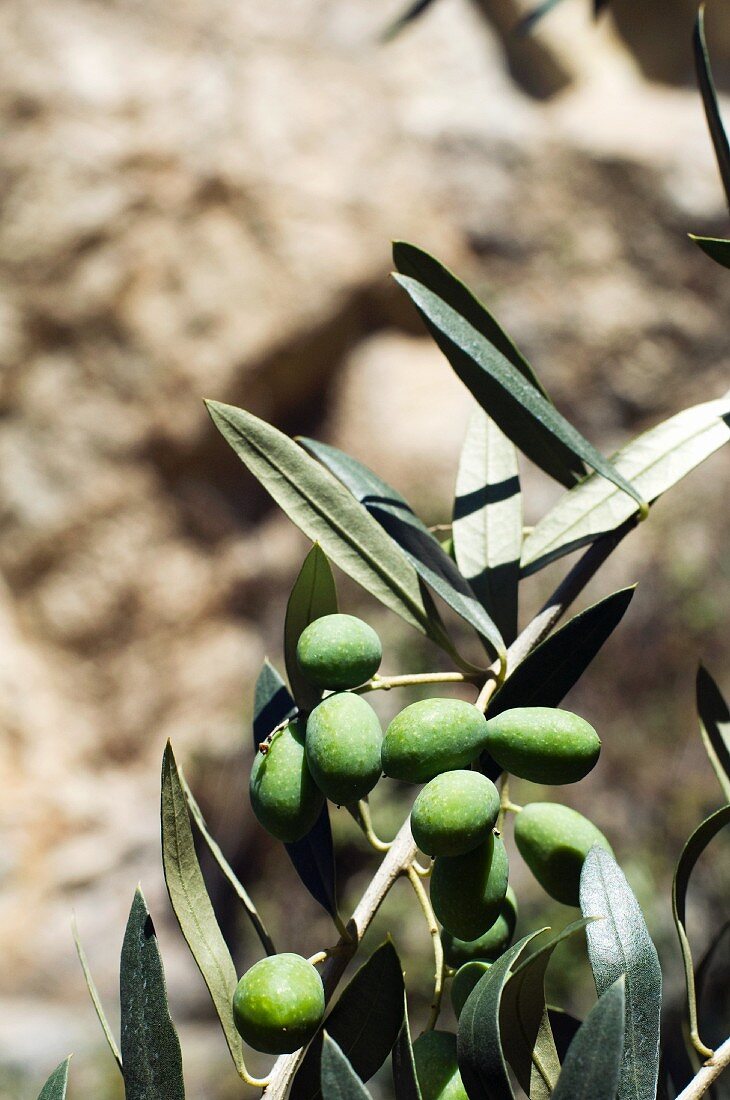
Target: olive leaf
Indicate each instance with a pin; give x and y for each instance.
(151, 1054)
(692, 851)
(192, 905)
(709, 99)
(272, 704)
(313, 595)
(479, 1041)
(313, 857)
(56, 1085)
(422, 549)
(717, 248)
(95, 998)
(521, 411)
(411, 13)
(405, 1080)
(619, 944)
(654, 462)
(593, 1062)
(487, 522)
(338, 1079)
(714, 716)
(527, 1038)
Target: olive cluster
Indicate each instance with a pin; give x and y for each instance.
(339, 753)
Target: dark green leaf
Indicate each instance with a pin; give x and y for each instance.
(95, 998)
(364, 1023)
(426, 269)
(714, 718)
(717, 248)
(313, 595)
(56, 1085)
(487, 528)
(425, 552)
(192, 906)
(150, 1047)
(325, 511)
(412, 12)
(563, 1026)
(692, 851)
(272, 704)
(314, 861)
(531, 422)
(654, 461)
(527, 1038)
(709, 98)
(338, 1078)
(593, 1064)
(620, 944)
(479, 1041)
(405, 1080)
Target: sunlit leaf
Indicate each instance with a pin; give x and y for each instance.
(425, 552)
(95, 998)
(619, 944)
(520, 410)
(313, 595)
(692, 851)
(338, 1078)
(56, 1085)
(714, 716)
(717, 248)
(479, 1041)
(487, 527)
(709, 98)
(654, 461)
(150, 1046)
(192, 906)
(593, 1063)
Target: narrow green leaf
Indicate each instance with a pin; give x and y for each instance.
(593, 1064)
(405, 1080)
(412, 12)
(95, 998)
(620, 944)
(654, 461)
(480, 1038)
(272, 704)
(150, 1047)
(709, 98)
(717, 248)
(425, 552)
(714, 716)
(338, 1079)
(314, 861)
(56, 1085)
(192, 906)
(527, 1038)
(364, 1023)
(692, 851)
(487, 528)
(533, 17)
(313, 595)
(426, 269)
(326, 512)
(531, 422)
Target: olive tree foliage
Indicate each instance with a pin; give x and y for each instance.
(316, 740)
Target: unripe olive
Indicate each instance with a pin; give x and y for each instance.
(467, 891)
(464, 981)
(492, 944)
(284, 796)
(554, 842)
(454, 812)
(543, 744)
(338, 651)
(343, 747)
(432, 736)
(437, 1068)
(279, 1004)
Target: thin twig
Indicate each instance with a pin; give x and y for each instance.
(709, 1073)
(385, 683)
(438, 951)
(361, 813)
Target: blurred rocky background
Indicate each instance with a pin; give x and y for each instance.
(197, 200)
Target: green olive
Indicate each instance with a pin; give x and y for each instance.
(464, 981)
(437, 1068)
(338, 652)
(543, 744)
(284, 796)
(279, 1004)
(467, 891)
(454, 813)
(432, 736)
(492, 944)
(554, 841)
(343, 747)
